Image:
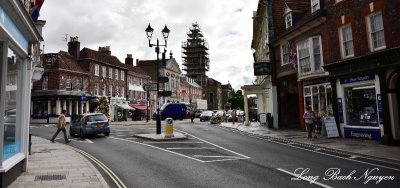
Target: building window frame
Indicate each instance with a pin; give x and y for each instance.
(96, 70)
(346, 41)
(376, 34)
(122, 75)
(309, 52)
(96, 89)
(315, 5)
(110, 73)
(69, 83)
(285, 54)
(116, 74)
(104, 71)
(45, 83)
(288, 20)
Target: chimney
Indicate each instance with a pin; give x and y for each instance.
(105, 50)
(170, 54)
(74, 47)
(129, 60)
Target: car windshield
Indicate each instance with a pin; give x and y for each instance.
(97, 117)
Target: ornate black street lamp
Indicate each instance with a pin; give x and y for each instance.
(165, 33)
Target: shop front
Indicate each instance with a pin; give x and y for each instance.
(317, 93)
(19, 43)
(360, 107)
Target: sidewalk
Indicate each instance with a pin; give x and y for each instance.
(57, 165)
(366, 148)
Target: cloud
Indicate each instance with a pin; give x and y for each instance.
(226, 25)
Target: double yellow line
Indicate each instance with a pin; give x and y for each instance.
(108, 171)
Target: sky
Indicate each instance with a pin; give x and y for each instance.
(120, 24)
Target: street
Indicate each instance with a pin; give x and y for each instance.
(217, 157)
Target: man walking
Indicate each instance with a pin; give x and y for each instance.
(61, 123)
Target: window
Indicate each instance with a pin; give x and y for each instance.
(285, 54)
(45, 83)
(122, 75)
(288, 20)
(315, 5)
(375, 31)
(69, 83)
(96, 70)
(110, 73)
(104, 90)
(96, 89)
(104, 71)
(116, 74)
(122, 92)
(361, 106)
(310, 55)
(79, 84)
(110, 91)
(346, 41)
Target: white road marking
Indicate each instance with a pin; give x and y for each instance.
(221, 160)
(130, 138)
(159, 149)
(353, 157)
(120, 135)
(194, 148)
(244, 156)
(87, 140)
(302, 178)
(220, 156)
(173, 142)
(317, 149)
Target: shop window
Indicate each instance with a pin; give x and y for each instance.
(361, 108)
(319, 97)
(11, 140)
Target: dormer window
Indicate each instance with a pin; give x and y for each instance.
(288, 17)
(315, 5)
(288, 20)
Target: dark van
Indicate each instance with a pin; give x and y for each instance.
(173, 110)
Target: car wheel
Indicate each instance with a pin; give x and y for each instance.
(82, 135)
(107, 134)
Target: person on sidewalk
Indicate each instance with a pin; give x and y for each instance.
(61, 124)
(191, 113)
(233, 116)
(309, 117)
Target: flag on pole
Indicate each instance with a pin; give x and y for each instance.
(35, 6)
(293, 57)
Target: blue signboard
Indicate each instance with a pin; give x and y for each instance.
(365, 134)
(340, 109)
(9, 25)
(83, 98)
(380, 110)
(357, 79)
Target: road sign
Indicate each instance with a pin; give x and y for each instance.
(165, 93)
(163, 79)
(150, 87)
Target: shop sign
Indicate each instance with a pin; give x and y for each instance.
(365, 134)
(380, 110)
(330, 126)
(340, 106)
(83, 98)
(357, 79)
(316, 81)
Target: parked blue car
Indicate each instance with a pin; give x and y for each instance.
(90, 124)
(173, 110)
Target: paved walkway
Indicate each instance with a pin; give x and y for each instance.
(60, 161)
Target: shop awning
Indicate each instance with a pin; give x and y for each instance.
(124, 106)
(139, 106)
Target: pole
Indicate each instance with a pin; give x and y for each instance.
(158, 118)
(147, 106)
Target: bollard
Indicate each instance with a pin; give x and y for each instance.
(169, 128)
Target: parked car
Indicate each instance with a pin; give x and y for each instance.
(206, 115)
(90, 124)
(197, 113)
(173, 110)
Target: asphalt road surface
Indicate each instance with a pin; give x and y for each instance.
(219, 157)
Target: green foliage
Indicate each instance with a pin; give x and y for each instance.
(236, 99)
(103, 106)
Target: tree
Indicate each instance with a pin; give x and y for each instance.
(103, 106)
(236, 99)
